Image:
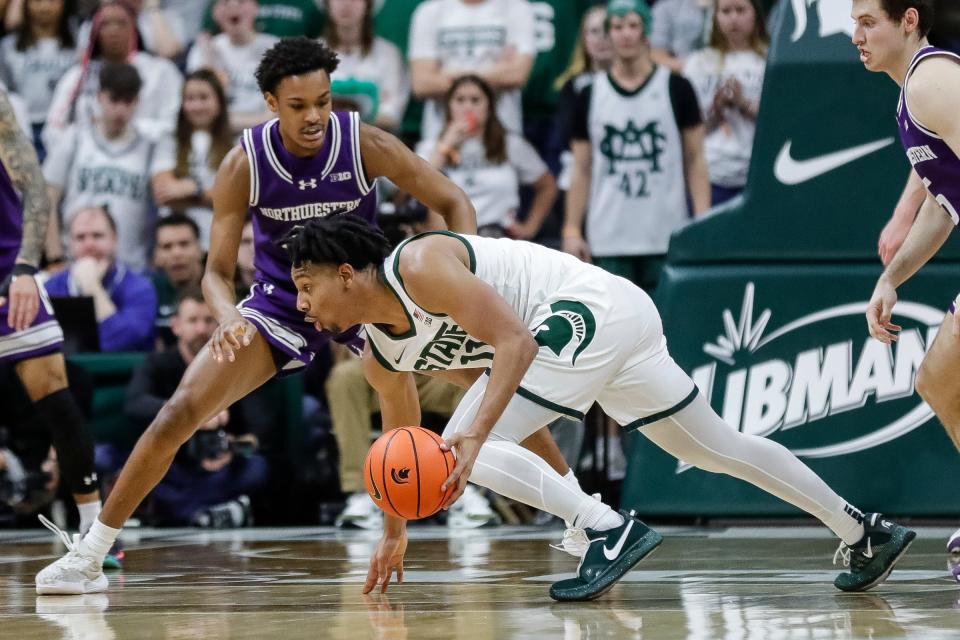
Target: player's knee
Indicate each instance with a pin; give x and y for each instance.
(178, 419)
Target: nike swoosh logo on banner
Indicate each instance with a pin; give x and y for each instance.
(792, 172)
(611, 554)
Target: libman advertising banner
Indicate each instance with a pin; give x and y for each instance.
(783, 352)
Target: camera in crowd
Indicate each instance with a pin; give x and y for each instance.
(210, 444)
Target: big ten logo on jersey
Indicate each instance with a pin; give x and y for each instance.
(544, 29)
(452, 347)
(633, 153)
(833, 15)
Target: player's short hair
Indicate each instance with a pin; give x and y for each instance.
(294, 57)
(120, 81)
(896, 9)
(178, 220)
(192, 292)
(338, 239)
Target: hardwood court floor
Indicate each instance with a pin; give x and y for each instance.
(740, 583)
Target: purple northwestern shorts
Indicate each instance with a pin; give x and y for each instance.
(294, 341)
(41, 338)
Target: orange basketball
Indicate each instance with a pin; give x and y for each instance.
(404, 470)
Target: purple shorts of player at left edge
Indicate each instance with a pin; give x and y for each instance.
(41, 338)
(293, 340)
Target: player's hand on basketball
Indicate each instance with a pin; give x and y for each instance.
(880, 312)
(24, 299)
(465, 446)
(892, 237)
(232, 335)
(386, 559)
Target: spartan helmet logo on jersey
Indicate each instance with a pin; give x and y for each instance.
(570, 323)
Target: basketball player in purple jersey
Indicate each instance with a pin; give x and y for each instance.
(30, 338)
(308, 162)
(892, 37)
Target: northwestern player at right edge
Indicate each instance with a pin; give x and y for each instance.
(891, 36)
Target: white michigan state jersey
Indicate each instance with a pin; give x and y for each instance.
(637, 190)
(589, 325)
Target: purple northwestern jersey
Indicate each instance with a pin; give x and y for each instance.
(933, 160)
(11, 223)
(286, 191)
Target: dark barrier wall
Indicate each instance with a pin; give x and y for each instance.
(763, 302)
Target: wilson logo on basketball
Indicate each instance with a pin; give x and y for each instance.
(793, 383)
(400, 477)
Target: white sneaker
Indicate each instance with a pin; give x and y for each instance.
(575, 541)
(360, 512)
(74, 573)
(471, 511)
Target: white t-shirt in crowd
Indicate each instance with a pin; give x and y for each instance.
(384, 67)
(93, 170)
(239, 63)
(200, 171)
(34, 72)
(494, 189)
(469, 37)
(157, 110)
(728, 147)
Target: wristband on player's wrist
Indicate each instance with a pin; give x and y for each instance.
(23, 269)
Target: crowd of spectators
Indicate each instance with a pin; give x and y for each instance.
(595, 128)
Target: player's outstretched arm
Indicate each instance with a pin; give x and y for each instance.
(384, 155)
(436, 275)
(231, 192)
(399, 407)
(20, 161)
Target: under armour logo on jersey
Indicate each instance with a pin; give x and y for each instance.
(268, 289)
(312, 183)
(342, 176)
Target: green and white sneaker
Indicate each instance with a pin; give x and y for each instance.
(609, 556)
(872, 558)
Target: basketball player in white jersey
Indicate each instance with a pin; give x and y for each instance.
(557, 334)
(307, 162)
(892, 38)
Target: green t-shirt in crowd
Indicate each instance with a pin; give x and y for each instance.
(556, 23)
(281, 18)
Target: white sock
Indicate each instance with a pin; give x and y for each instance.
(88, 514)
(98, 540)
(847, 522)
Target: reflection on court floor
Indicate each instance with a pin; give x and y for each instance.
(738, 583)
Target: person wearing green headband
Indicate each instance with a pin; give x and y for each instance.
(620, 8)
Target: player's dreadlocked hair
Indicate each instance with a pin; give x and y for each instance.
(293, 57)
(336, 240)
